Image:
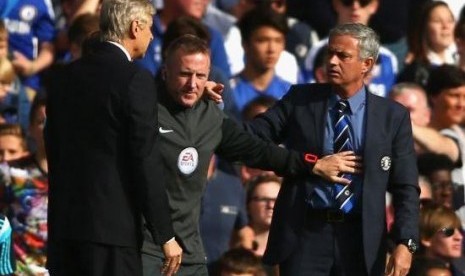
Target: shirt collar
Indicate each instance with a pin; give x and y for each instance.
(355, 101)
(122, 49)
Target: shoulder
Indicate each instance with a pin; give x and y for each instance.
(310, 90)
(389, 106)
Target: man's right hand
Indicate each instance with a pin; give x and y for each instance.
(332, 166)
(173, 256)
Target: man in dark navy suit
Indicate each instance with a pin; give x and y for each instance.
(104, 162)
(324, 228)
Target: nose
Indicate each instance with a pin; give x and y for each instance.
(332, 59)
(270, 203)
(458, 235)
(191, 81)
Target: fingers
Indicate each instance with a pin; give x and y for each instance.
(339, 180)
(389, 267)
(218, 88)
(171, 266)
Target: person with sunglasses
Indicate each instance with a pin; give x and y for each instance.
(441, 236)
(383, 75)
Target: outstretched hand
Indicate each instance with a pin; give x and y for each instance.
(332, 166)
(213, 91)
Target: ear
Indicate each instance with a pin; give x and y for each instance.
(373, 7)
(367, 65)
(134, 29)
(426, 243)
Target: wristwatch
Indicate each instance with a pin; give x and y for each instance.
(411, 245)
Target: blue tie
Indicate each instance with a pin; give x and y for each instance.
(344, 195)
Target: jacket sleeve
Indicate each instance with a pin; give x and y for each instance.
(403, 182)
(238, 145)
(145, 157)
(272, 125)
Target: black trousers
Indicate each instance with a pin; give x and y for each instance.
(327, 248)
(79, 258)
(152, 267)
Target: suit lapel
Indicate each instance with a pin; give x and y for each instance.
(373, 119)
(318, 110)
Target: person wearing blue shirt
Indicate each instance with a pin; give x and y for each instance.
(223, 212)
(263, 34)
(31, 28)
(172, 10)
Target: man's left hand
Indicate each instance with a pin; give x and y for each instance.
(399, 262)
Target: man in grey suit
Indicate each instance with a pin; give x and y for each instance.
(104, 161)
(320, 227)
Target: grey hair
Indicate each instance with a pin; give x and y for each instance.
(368, 39)
(116, 17)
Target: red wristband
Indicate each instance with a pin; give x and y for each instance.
(310, 158)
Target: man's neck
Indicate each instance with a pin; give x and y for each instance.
(346, 92)
(125, 46)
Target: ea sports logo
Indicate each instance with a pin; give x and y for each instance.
(188, 160)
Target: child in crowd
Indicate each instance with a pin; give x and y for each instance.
(12, 142)
(25, 187)
(15, 98)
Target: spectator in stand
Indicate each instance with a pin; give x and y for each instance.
(384, 72)
(319, 65)
(171, 10)
(430, 42)
(31, 29)
(223, 216)
(393, 33)
(240, 261)
(25, 181)
(414, 98)
(441, 236)
(423, 266)
(437, 168)
(263, 34)
(4, 51)
(426, 191)
(317, 13)
(427, 139)
(446, 90)
(300, 36)
(79, 30)
(15, 103)
(12, 142)
(6, 247)
(459, 34)
(287, 66)
(251, 110)
(70, 10)
(262, 192)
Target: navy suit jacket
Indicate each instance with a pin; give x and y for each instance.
(298, 121)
